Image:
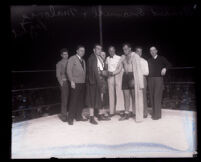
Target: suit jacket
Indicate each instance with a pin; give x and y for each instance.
(61, 71)
(92, 70)
(75, 71)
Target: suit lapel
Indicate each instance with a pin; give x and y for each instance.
(80, 63)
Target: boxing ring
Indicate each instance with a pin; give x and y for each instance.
(172, 136)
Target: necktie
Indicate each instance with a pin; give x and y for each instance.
(82, 63)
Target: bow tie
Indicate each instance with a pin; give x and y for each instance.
(111, 56)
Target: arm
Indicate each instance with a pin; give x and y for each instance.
(58, 69)
(69, 71)
(70, 68)
(145, 67)
(166, 63)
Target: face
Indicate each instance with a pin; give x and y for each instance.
(111, 51)
(64, 55)
(153, 51)
(126, 50)
(81, 51)
(98, 50)
(139, 51)
(103, 55)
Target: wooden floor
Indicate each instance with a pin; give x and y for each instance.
(46, 137)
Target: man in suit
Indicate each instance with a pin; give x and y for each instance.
(76, 70)
(116, 99)
(94, 84)
(63, 82)
(158, 66)
(145, 70)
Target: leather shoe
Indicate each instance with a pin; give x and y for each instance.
(145, 115)
(70, 122)
(81, 119)
(92, 120)
(102, 117)
(63, 118)
(125, 117)
(154, 118)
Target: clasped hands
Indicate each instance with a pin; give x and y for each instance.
(107, 73)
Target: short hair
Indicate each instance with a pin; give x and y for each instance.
(154, 47)
(97, 44)
(138, 47)
(127, 44)
(111, 47)
(79, 46)
(63, 50)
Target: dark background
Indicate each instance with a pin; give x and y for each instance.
(38, 32)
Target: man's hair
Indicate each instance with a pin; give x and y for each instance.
(79, 46)
(127, 44)
(138, 47)
(154, 47)
(97, 44)
(63, 50)
(111, 47)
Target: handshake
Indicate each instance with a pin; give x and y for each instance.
(107, 73)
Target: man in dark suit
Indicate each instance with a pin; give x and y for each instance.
(76, 70)
(158, 66)
(63, 82)
(94, 84)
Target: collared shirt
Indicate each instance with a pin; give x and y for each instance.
(79, 57)
(100, 64)
(155, 56)
(112, 62)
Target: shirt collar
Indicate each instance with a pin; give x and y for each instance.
(79, 57)
(112, 56)
(155, 56)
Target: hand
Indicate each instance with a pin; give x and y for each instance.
(61, 83)
(163, 71)
(72, 84)
(110, 73)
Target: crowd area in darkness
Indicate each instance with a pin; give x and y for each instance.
(175, 96)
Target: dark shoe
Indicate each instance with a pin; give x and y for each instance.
(121, 114)
(107, 117)
(63, 118)
(131, 115)
(81, 119)
(125, 117)
(156, 118)
(92, 120)
(145, 115)
(70, 122)
(101, 117)
(111, 115)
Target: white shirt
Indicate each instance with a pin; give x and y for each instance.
(144, 66)
(79, 57)
(112, 62)
(100, 64)
(155, 56)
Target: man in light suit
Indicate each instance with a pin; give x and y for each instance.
(145, 70)
(63, 82)
(116, 99)
(76, 71)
